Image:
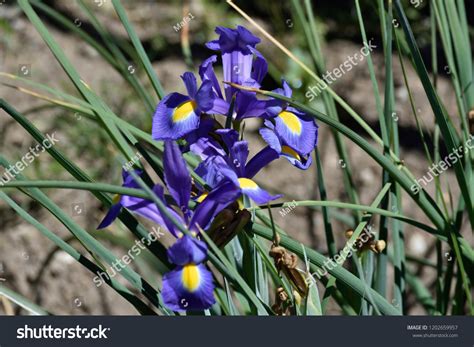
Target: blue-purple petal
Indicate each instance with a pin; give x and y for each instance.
(187, 250)
(206, 71)
(260, 160)
(111, 215)
(191, 84)
(176, 115)
(178, 298)
(177, 177)
(218, 199)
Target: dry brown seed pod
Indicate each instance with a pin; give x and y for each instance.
(380, 245)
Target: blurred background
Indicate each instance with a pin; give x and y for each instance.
(32, 266)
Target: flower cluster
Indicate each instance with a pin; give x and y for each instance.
(195, 121)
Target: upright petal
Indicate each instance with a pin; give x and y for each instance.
(177, 177)
(214, 169)
(239, 154)
(230, 40)
(237, 68)
(205, 97)
(260, 66)
(206, 71)
(188, 288)
(176, 115)
(191, 84)
(187, 250)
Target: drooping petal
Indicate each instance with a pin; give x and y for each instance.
(299, 132)
(187, 250)
(176, 115)
(260, 160)
(110, 216)
(218, 199)
(188, 288)
(114, 210)
(149, 210)
(300, 161)
(177, 177)
(271, 138)
(254, 192)
(191, 84)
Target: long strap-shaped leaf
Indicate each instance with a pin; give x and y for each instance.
(93, 268)
(101, 109)
(126, 217)
(22, 301)
(440, 115)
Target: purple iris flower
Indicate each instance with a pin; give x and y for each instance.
(238, 48)
(290, 132)
(243, 64)
(189, 286)
(234, 167)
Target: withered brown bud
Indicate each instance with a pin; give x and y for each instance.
(380, 246)
(349, 233)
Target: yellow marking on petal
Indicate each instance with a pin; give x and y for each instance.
(191, 277)
(291, 152)
(247, 183)
(183, 111)
(291, 121)
(116, 199)
(202, 197)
